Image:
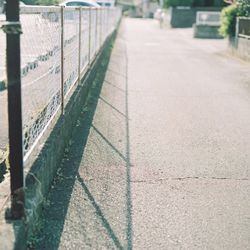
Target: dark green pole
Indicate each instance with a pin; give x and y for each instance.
(12, 28)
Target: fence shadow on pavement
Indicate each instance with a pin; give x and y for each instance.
(89, 205)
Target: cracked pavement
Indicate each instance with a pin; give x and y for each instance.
(166, 161)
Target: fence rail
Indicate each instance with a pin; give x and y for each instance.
(57, 46)
(243, 27)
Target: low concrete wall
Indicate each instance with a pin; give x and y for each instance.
(243, 48)
(14, 234)
(206, 31)
(240, 47)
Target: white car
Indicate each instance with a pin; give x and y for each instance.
(80, 3)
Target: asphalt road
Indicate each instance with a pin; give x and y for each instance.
(166, 161)
(190, 141)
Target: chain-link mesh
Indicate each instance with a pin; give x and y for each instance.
(85, 39)
(105, 22)
(57, 45)
(93, 34)
(71, 47)
(40, 60)
(3, 93)
(102, 25)
(99, 27)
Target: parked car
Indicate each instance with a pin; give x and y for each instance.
(83, 3)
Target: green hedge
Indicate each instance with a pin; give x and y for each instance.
(228, 21)
(230, 14)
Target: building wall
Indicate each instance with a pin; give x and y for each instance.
(243, 48)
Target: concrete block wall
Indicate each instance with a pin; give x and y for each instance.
(240, 47)
(243, 48)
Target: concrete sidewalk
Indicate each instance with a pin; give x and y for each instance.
(166, 161)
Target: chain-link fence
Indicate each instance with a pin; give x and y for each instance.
(57, 46)
(40, 69)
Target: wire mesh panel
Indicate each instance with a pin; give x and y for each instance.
(71, 47)
(84, 38)
(93, 33)
(40, 69)
(57, 44)
(106, 22)
(105, 33)
(98, 31)
(112, 17)
(102, 26)
(3, 92)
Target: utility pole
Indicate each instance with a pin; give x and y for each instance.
(12, 28)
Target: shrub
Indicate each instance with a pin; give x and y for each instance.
(228, 20)
(230, 14)
(244, 7)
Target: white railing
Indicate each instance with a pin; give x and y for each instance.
(58, 45)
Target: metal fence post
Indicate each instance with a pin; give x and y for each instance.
(62, 59)
(89, 36)
(12, 28)
(80, 46)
